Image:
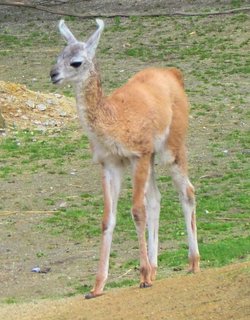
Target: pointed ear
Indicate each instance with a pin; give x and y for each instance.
(66, 33)
(93, 41)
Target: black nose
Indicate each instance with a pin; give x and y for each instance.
(53, 74)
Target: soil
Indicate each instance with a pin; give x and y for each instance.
(221, 294)
(23, 108)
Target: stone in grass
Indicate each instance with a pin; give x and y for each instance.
(30, 104)
(50, 102)
(41, 107)
(63, 205)
(41, 270)
(62, 113)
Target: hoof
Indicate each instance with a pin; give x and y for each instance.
(92, 295)
(145, 285)
(194, 270)
(194, 265)
(153, 273)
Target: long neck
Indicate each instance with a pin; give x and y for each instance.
(93, 109)
(89, 96)
(94, 97)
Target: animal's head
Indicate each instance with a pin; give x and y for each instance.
(76, 60)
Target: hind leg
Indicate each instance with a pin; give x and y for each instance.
(153, 198)
(187, 199)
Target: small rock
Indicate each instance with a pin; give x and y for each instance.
(73, 172)
(245, 151)
(50, 123)
(50, 101)
(37, 122)
(63, 205)
(177, 268)
(62, 114)
(41, 270)
(41, 128)
(45, 270)
(57, 95)
(2, 132)
(24, 117)
(47, 123)
(30, 104)
(41, 107)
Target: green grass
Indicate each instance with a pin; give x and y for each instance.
(11, 300)
(9, 40)
(76, 223)
(226, 251)
(214, 254)
(41, 146)
(24, 151)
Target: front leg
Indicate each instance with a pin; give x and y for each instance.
(141, 172)
(112, 174)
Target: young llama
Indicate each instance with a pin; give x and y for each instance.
(146, 116)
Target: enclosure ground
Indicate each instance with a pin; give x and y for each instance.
(221, 294)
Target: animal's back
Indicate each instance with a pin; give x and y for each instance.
(152, 88)
(149, 105)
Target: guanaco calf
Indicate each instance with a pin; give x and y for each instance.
(146, 116)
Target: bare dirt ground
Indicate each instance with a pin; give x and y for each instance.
(213, 294)
(24, 108)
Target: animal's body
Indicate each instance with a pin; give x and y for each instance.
(146, 116)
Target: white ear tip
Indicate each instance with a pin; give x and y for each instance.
(61, 23)
(100, 23)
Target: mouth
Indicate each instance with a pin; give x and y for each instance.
(56, 81)
(55, 77)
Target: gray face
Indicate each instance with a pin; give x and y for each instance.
(76, 59)
(72, 64)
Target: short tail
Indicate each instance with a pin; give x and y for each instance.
(178, 74)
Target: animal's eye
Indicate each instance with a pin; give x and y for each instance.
(76, 64)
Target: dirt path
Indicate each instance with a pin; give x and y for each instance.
(213, 294)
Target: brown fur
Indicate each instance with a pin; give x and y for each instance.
(133, 116)
(155, 93)
(190, 193)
